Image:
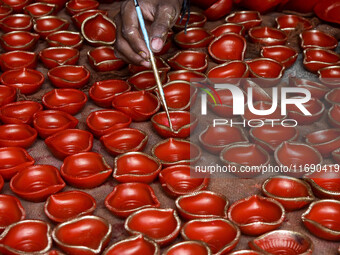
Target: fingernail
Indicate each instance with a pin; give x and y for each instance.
(157, 43)
(142, 54)
(145, 63)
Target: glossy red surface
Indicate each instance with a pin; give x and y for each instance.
(18, 60)
(160, 63)
(17, 135)
(259, 5)
(328, 10)
(16, 22)
(316, 58)
(325, 141)
(196, 19)
(69, 76)
(77, 6)
(19, 40)
(103, 59)
(36, 10)
(283, 54)
(218, 9)
(195, 37)
(185, 75)
(65, 38)
(79, 17)
(334, 116)
(5, 10)
(317, 38)
(228, 28)
(16, 5)
(258, 93)
(7, 95)
(317, 90)
(291, 22)
(267, 36)
(188, 248)
(11, 211)
(145, 80)
(330, 76)
(58, 56)
(189, 60)
(248, 19)
(46, 25)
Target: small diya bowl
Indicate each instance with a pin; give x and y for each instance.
(70, 101)
(13, 160)
(103, 92)
(79, 17)
(58, 56)
(317, 58)
(231, 71)
(77, 6)
(36, 183)
(336, 156)
(185, 75)
(139, 105)
(99, 30)
(228, 28)
(195, 37)
(65, 38)
(37, 10)
(177, 181)
(146, 80)
(267, 36)
(17, 60)
(160, 225)
(47, 25)
(218, 9)
(291, 22)
(248, 19)
(173, 151)
(69, 76)
(292, 193)
(127, 198)
(58, 3)
(228, 46)
(17, 135)
(317, 39)
(11, 211)
(85, 170)
(26, 236)
(73, 237)
(214, 139)
(19, 40)
(5, 10)
(66, 205)
(27, 81)
(189, 247)
(103, 59)
(322, 219)
(334, 116)
(16, 22)
(221, 235)
(16, 5)
(124, 140)
(189, 60)
(286, 241)
(325, 141)
(195, 19)
(160, 63)
(20, 112)
(136, 167)
(138, 244)
(103, 122)
(202, 205)
(283, 54)
(68, 142)
(330, 76)
(256, 215)
(317, 90)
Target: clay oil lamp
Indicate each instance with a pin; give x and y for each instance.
(201, 205)
(18, 135)
(36, 183)
(336, 156)
(77, 6)
(69, 76)
(68, 142)
(27, 236)
(330, 76)
(286, 241)
(228, 46)
(269, 137)
(322, 219)
(219, 234)
(124, 140)
(189, 60)
(296, 155)
(13, 160)
(73, 237)
(7, 95)
(228, 28)
(160, 225)
(267, 71)
(160, 63)
(27, 81)
(248, 19)
(103, 122)
(136, 167)
(85, 170)
(242, 154)
(145, 80)
(58, 3)
(16, 22)
(11, 211)
(173, 151)
(66, 205)
(103, 92)
(245, 252)
(267, 36)
(195, 37)
(16, 5)
(103, 59)
(183, 123)
(139, 105)
(50, 122)
(214, 139)
(326, 10)
(58, 56)
(317, 90)
(289, 23)
(67, 100)
(218, 9)
(256, 215)
(291, 192)
(317, 39)
(5, 10)
(20, 112)
(317, 58)
(283, 54)
(37, 10)
(195, 19)
(65, 39)
(18, 60)
(325, 141)
(185, 75)
(138, 244)
(79, 17)
(49, 24)
(99, 30)
(314, 106)
(334, 116)
(258, 93)
(19, 40)
(262, 105)
(127, 198)
(189, 247)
